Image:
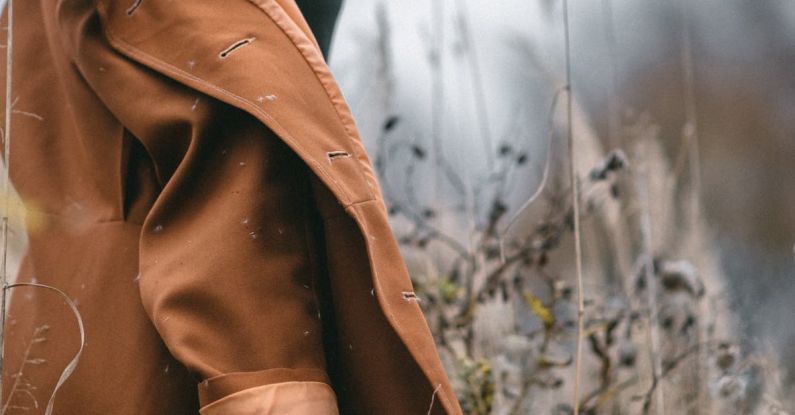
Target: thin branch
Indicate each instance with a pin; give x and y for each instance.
(669, 366)
(688, 149)
(614, 137)
(408, 207)
(601, 391)
(576, 212)
(651, 289)
(18, 379)
(6, 167)
(491, 281)
(29, 114)
(544, 176)
(70, 368)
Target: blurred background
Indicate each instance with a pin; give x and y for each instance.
(683, 122)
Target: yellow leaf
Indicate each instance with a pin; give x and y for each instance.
(539, 309)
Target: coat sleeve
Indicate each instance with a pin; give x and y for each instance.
(227, 271)
(227, 259)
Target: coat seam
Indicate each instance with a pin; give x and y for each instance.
(133, 51)
(304, 57)
(388, 305)
(338, 112)
(94, 222)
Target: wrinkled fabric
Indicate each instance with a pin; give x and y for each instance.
(289, 398)
(194, 181)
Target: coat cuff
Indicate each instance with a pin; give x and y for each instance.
(285, 398)
(221, 386)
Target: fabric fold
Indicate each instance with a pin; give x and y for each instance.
(286, 398)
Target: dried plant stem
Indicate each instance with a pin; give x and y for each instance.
(653, 337)
(688, 150)
(4, 285)
(70, 368)
(614, 137)
(575, 212)
(16, 386)
(691, 135)
(544, 176)
(669, 367)
(6, 167)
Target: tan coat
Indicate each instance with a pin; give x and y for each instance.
(161, 148)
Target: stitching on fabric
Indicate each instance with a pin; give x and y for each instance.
(350, 205)
(61, 217)
(119, 43)
(337, 154)
(306, 59)
(390, 316)
(244, 392)
(235, 46)
(410, 296)
(337, 110)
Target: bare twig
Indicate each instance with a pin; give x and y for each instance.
(690, 138)
(433, 397)
(70, 368)
(612, 390)
(651, 290)
(575, 212)
(18, 377)
(614, 137)
(544, 176)
(6, 184)
(29, 114)
(669, 366)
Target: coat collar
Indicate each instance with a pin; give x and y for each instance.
(260, 57)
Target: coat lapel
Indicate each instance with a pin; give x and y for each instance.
(262, 58)
(291, 9)
(259, 61)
